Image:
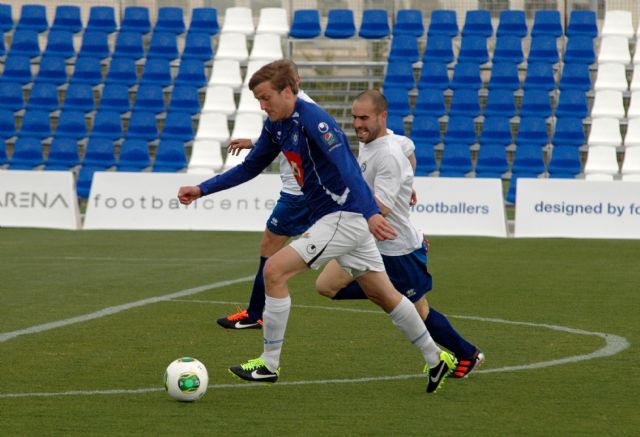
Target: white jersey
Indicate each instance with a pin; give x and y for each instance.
(387, 171)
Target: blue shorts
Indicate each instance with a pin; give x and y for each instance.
(409, 274)
(290, 217)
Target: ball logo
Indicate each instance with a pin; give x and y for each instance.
(311, 248)
(323, 127)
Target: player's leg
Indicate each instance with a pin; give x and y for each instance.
(333, 279)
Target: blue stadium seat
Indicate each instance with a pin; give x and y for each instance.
(25, 43)
(539, 76)
(544, 48)
(170, 156)
(512, 22)
(425, 130)
(396, 124)
(35, 124)
(60, 44)
(136, 19)
(11, 97)
(582, 23)
(430, 102)
(52, 69)
(465, 102)
(504, 76)
(500, 103)
(579, 50)
(535, 103)
(375, 24)
(438, 49)
(455, 161)
(569, 132)
(107, 124)
(565, 162)
(404, 48)
(477, 22)
(409, 22)
(496, 130)
(3, 50)
(492, 161)
(163, 45)
(529, 159)
(575, 76)
(149, 98)
(434, 75)
(157, 72)
(170, 19)
(33, 17)
(17, 69)
(142, 126)
(532, 131)
(443, 22)
(63, 154)
(67, 18)
(197, 46)
(6, 18)
(44, 97)
(305, 24)
(87, 70)
(191, 72)
(398, 100)
(94, 44)
(79, 97)
(122, 71)
(134, 155)
(547, 22)
(425, 159)
(115, 97)
(177, 126)
(466, 75)
(473, 48)
(27, 154)
(204, 20)
(513, 184)
(7, 126)
(129, 45)
(572, 103)
(340, 24)
(508, 49)
(85, 178)
(399, 74)
(184, 98)
(71, 124)
(102, 19)
(100, 153)
(460, 130)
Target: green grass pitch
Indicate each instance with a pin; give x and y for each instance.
(539, 308)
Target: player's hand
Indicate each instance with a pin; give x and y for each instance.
(414, 198)
(236, 146)
(188, 194)
(380, 228)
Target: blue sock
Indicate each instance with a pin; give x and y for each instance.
(351, 291)
(445, 335)
(256, 302)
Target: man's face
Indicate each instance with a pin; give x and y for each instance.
(367, 124)
(277, 104)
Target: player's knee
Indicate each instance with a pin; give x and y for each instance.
(272, 274)
(325, 289)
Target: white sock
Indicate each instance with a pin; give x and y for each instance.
(274, 324)
(406, 318)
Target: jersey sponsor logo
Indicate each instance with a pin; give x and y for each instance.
(329, 138)
(295, 161)
(323, 127)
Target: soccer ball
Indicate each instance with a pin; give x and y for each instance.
(186, 379)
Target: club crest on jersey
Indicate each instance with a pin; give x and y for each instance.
(294, 138)
(323, 127)
(363, 167)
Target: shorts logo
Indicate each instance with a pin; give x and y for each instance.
(323, 127)
(274, 221)
(410, 293)
(311, 248)
(363, 167)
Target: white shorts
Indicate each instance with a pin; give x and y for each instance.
(343, 236)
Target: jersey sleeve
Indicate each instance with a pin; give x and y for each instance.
(406, 144)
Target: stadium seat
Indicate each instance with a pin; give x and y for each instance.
(134, 155)
(27, 154)
(3, 50)
(11, 97)
(508, 49)
(191, 72)
(178, 126)
(618, 23)
(568, 132)
(149, 98)
(460, 130)
(100, 153)
(63, 154)
(513, 23)
(219, 99)
(632, 136)
(430, 102)
(253, 66)
(204, 20)
(465, 102)
(206, 156)
(575, 76)
(455, 161)
(544, 49)
(605, 132)
(547, 22)
(85, 178)
(536, 103)
(266, 46)
(631, 162)
(226, 72)
(611, 77)
(580, 50)
(614, 49)
(129, 45)
(492, 161)
(340, 24)
(33, 17)
(232, 46)
(157, 72)
(122, 71)
(529, 159)
(213, 126)
(425, 130)
(136, 19)
(94, 44)
(197, 46)
(398, 100)
(35, 124)
(477, 22)
(86, 70)
(409, 22)
(238, 19)
(607, 103)
(170, 20)
(504, 76)
(375, 24)
(399, 74)
(71, 124)
(473, 48)
(273, 20)
(466, 75)
(396, 124)
(500, 103)
(532, 131)
(434, 75)
(425, 159)
(17, 69)
(513, 186)
(539, 76)
(443, 22)
(564, 162)
(44, 97)
(582, 23)
(59, 43)
(496, 131)
(102, 19)
(6, 18)
(7, 126)
(247, 126)
(25, 43)
(404, 48)
(115, 97)
(305, 24)
(170, 156)
(67, 18)
(107, 124)
(184, 98)
(163, 45)
(572, 103)
(248, 103)
(601, 160)
(438, 49)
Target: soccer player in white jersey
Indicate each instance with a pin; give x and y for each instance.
(388, 172)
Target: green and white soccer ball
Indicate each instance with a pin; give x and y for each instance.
(186, 379)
